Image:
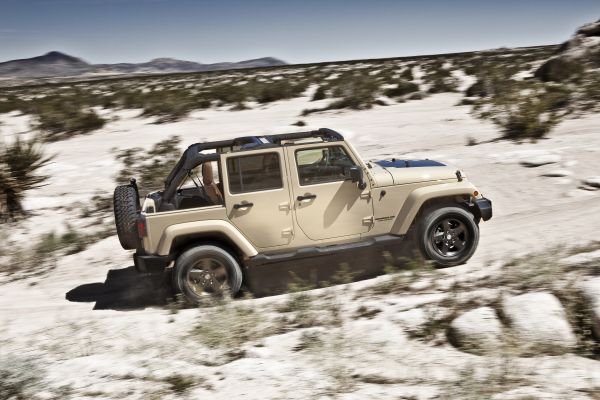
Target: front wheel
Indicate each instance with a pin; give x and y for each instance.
(206, 270)
(448, 236)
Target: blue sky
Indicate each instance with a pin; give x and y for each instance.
(107, 31)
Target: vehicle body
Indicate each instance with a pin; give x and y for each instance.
(302, 202)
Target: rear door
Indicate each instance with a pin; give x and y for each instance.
(326, 202)
(257, 196)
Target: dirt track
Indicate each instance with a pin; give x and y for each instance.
(52, 316)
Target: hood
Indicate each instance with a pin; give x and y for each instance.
(410, 171)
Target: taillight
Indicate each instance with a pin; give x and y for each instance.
(141, 226)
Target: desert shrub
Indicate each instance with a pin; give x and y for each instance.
(228, 326)
(62, 117)
(402, 89)
(319, 94)
(10, 103)
(407, 74)
(477, 89)
(180, 384)
(529, 115)
(277, 90)
(441, 85)
(589, 97)
(20, 163)
(151, 166)
(20, 378)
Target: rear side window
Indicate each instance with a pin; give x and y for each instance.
(323, 164)
(254, 173)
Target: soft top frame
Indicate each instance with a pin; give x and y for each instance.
(193, 156)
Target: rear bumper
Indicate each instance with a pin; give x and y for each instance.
(146, 263)
(484, 207)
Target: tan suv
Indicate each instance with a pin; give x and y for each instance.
(253, 209)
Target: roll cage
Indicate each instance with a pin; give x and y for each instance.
(193, 156)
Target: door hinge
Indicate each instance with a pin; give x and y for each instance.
(366, 195)
(284, 206)
(368, 220)
(287, 232)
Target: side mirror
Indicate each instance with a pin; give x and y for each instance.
(356, 175)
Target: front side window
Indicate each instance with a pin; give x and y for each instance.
(254, 173)
(323, 164)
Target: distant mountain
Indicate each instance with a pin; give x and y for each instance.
(50, 64)
(55, 63)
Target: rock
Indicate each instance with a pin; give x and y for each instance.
(574, 56)
(541, 159)
(591, 29)
(593, 182)
(538, 320)
(556, 173)
(591, 291)
(476, 330)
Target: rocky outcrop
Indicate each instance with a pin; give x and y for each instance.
(478, 330)
(574, 56)
(538, 320)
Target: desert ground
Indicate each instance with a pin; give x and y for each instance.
(85, 325)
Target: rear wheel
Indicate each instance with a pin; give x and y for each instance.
(206, 270)
(448, 236)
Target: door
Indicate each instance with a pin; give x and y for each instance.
(257, 196)
(326, 202)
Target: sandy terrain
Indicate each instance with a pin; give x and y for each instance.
(94, 346)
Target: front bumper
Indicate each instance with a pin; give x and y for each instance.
(484, 208)
(146, 263)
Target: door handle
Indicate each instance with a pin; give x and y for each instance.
(242, 205)
(306, 197)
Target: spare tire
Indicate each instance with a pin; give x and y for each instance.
(125, 201)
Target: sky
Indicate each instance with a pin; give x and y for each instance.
(109, 31)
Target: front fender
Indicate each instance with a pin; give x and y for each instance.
(210, 226)
(419, 196)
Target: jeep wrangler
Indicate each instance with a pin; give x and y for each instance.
(253, 209)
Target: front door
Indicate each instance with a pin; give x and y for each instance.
(326, 202)
(257, 196)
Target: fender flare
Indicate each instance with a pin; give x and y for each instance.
(211, 226)
(418, 197)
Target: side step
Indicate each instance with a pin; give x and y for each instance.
(271, 273)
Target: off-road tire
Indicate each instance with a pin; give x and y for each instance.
(194, 258)
(447, 227)
(125, 204)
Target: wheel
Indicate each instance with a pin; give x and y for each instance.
(125, 204)
(448, 236)
(206, 270)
